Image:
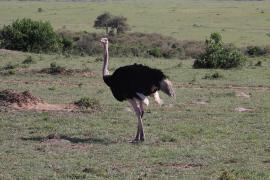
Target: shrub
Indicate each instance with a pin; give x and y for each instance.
(10, 66)
(29, 35)
(256, 51)
(259, 63)
(8, 72)
(88, 44)
(28, 60)
(227, 176)
(156, 52)
(40, 10)
(215, 75)
(217, 55)
(56, 69)
(52, 88)
(87, 102)
(67, 44)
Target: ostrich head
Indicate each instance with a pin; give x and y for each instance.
(104, 41)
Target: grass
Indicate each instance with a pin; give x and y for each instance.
(197, 136)
(240, 22)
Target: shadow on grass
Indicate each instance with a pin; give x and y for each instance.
(104, 141)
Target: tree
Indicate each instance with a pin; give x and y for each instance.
(119, 23)
(112, 23)
(103, 21)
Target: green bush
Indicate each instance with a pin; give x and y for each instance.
(259, 63)
(56, 69)
(256, 51)
(10, 66)
(215, 75)
(28, 60)
(87, 102)
(29, 35)
(217, 55)
(156, 52)
(67, 44)
(227, 176)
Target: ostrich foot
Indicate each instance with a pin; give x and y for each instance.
(134, 141)
(137, 140)
(142, 136)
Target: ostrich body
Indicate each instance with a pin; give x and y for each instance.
(134, 83)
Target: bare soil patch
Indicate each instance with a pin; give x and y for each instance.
(242, 94)
(6, 51)
(47, 107)
(242, 109)
(181, 165)
(199, 102)
(44, 82)
(64, 142)
(212, 86)
(67, 72)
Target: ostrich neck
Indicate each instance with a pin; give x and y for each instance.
(105, 71)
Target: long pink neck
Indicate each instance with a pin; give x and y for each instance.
(105, 70)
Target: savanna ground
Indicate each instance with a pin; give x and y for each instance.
(200, 135)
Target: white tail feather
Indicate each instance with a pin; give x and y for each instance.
(143, 98)
(167, 87)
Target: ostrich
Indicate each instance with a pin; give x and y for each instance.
(134, 83)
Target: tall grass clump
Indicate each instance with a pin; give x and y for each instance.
(29, 35)
(218, 55)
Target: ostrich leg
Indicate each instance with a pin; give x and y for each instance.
(142, 109)
(138, 111)
(142, 113)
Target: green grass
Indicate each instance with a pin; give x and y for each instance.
(197, 136)
(240, 22)
(200, 128)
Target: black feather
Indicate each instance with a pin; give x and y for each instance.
(126, 81)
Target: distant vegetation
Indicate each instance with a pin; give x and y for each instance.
(38, 36)
(134, 44)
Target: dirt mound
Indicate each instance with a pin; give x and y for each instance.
(26, 101)
(9, 96)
